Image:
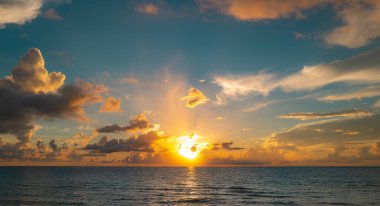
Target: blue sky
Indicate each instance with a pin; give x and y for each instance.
(150, 53)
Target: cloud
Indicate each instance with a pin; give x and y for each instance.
(41, 152)
(20, 108)
(361, 19)
(51, 14)
(360, 70)
(260, 105)
(343, 154)
(299, 36)
(371, 91)
(332, 132)
(246, 10)
(111, 104)
(129, 80)
(81, 139)
(225, 146)
(149, 9)
(315, 115)
(341, 141)
(31, 93)
(195, 98)
(141, 143)
(377, 104)
(30, 74)
(234, 86)
(18, 11)
(138, 122)
(361, 24)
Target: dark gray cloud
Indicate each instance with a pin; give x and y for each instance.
(18, 108)
(141, 143)
(226, 146)
(32, 93)
(53, 145)
(41, 146)
(13, 151)
(41, 152)
(138, 122)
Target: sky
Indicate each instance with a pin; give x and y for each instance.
(195, 82)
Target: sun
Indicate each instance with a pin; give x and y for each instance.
(188, 146)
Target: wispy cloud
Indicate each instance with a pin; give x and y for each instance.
(148, 8)
(315, 115)
(257, 106)
(129, 80)
(371, 91)
(235, 86)
(361, 70)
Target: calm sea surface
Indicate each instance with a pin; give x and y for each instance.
(189, 186)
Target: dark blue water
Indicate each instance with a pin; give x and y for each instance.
(189, 186)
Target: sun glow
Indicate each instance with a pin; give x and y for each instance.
(189, 147)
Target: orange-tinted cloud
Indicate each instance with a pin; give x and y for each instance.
(333, 131)
(129, 80)
(371, 91)
(149, 9)
(30, 74)
(111, 104)
(247, 10)
(195, 98)
(377, 104)
(315, 115)
(361, 19)
(361, 24)
(51, 14)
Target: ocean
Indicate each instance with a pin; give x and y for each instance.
(189, 186)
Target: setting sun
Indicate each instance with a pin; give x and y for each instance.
(188, 146)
